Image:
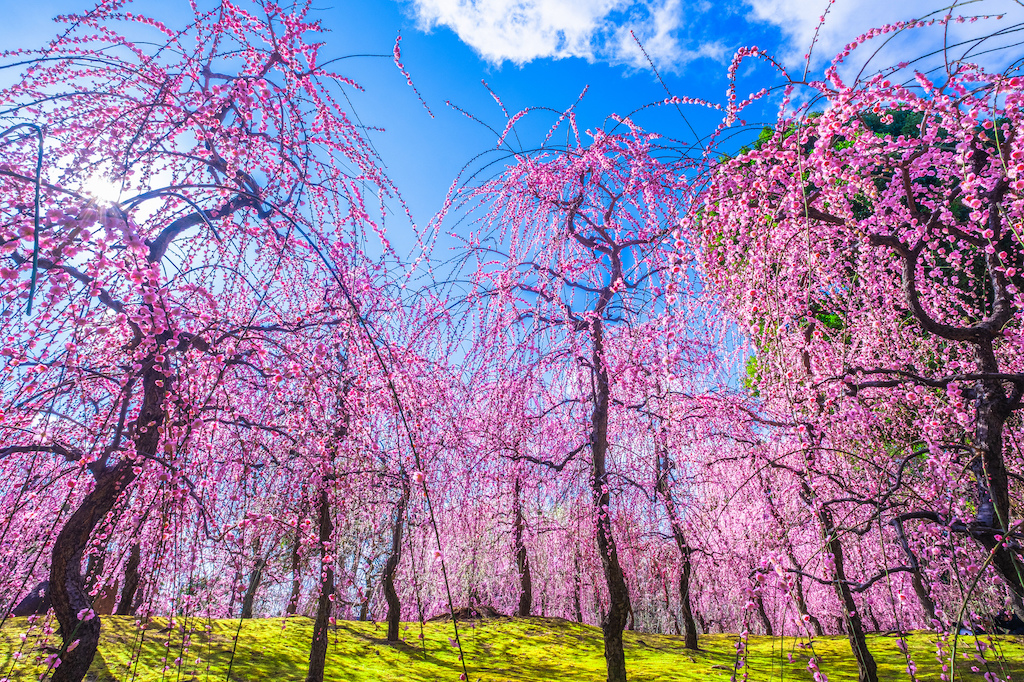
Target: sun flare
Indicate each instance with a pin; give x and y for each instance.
(102, 189)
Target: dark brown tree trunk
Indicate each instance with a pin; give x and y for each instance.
(613, 622)
(664, 490)
(254, 582)
(989, 469)
(917, 578)
(293, 599)
(318, 647)
(364, 607)
(766, 622)
(798, 581)
(391, 567)
(131, 582)
(867, 670)
(67, 584)
(798, 594)
(577, 588)
(522, 559)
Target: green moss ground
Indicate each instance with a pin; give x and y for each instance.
(500, 650)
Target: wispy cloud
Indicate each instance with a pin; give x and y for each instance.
(520, 31)
(798, 20)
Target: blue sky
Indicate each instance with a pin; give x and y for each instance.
(543, 53)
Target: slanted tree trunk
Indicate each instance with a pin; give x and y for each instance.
(255, 577)
(125, 606)
(522, 559)
(364, 607)
(798, 581)
(293, 599)
(664, 490)
(798, 594)
(917, 578)
(318, 647)
(766, 622)
(867, 670)
(613, 622)
(67, 584)
(391, 567)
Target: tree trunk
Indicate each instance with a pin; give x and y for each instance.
(293, 599)
(685, 551)
(391, 567)
(989, 470)
(131, 582)
(577, 587)
(613, 622)
(867, 670)
(798, 581)
(917, 578)
(798, 594)
(766, 622)
(67, 584)
(364, 607)
(318, 647)
(254, 582)
(522, 560)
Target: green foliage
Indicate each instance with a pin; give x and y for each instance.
(502, 650)
(752, 376)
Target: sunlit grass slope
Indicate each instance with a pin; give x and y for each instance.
(496, 650)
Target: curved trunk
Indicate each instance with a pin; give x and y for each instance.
(67, 584)
(989, 470)
(318, 647)
(131, 582)
(613, 622)
(391, 567)
(577, 588)
(522, 560)
(798, 595)
(689, 625)
(254, 582)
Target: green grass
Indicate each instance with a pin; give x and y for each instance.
(499, 650)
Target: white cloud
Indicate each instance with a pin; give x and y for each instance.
(846, 19)
(523, 30)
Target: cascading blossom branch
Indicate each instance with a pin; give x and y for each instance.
(874, 254)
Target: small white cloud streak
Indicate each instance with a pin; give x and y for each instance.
(798, 20)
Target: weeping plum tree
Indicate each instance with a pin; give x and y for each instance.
(573, 246)
(874, 253)
(145, 185)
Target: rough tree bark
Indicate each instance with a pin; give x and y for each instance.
(867, 670)
(664, 491)
(577, 588)
(522, 559)
(318, 647)
(67, 584)
(293, 598)
(391, 567)
(125, 606)
(364, 606)
(255, 577)
(766, 622)
(613, 622)
(798, 581)
(917, 579)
